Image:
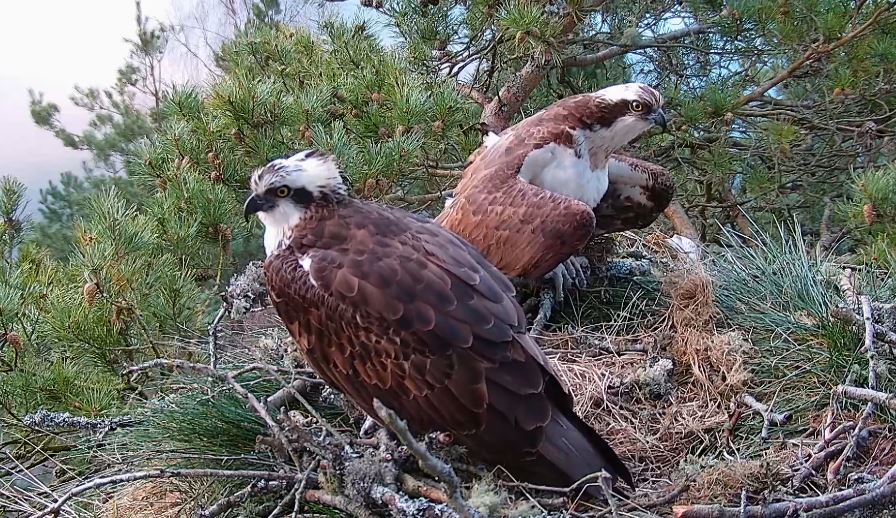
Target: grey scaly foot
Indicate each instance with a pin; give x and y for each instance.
(571, 272)
(547, 299)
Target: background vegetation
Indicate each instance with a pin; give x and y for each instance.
(782, 111)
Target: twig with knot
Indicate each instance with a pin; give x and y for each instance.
(769, 416)
(428, 462)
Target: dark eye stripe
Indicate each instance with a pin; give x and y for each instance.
(302, 196)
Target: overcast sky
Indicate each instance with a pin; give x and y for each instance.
(51, 46)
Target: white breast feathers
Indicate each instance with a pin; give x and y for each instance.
(558, 169)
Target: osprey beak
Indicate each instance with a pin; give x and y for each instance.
(658, 117)
(255, 204)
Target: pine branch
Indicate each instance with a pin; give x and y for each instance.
(160, 473)
(621, 49)
(228, 378)
(813, 54)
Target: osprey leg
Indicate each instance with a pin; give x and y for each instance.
(571, 272)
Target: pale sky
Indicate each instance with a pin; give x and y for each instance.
(51, 46)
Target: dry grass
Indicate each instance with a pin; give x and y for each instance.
(668, 399)
(150, 499)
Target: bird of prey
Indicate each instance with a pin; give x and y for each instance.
(533, 195)
(389, 305)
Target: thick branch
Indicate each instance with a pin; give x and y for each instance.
(620, 50)
(474, 94)
(681, 222)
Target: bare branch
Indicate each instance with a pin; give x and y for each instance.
(868, 395)
(769, 416)
(871, 407)
(620, 50)
(428, 462)
(474, 94)
(841, 501)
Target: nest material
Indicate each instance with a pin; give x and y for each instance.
(658, 403)
(150, 499)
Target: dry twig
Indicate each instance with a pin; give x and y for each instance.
(870, 408)
(868, 395)
(428, 462)
(769, 416)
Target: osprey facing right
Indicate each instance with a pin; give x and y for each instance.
(536, 193)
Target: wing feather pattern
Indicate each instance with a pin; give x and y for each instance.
(637, 194)
(425, 324)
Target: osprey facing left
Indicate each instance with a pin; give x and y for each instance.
(389, 305)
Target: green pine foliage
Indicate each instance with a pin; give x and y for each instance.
(871, 207)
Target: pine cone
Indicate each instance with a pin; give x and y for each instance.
(225, 232)
(376, 97)
(384, 133)
(355, 113)
(401, 130)
(868, 213)
(14, 340)
(339, 96)
(216, 176)
(86, 239)
(369, 187)
(729, 118)
(334, 111)
(90, 292)
(212, 158)
(238, 136)
(186, 162)
(161, 184)
(116, 315)
(837, 92)
(437, 127)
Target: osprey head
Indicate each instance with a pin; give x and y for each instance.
(626, 111)
(284, 189)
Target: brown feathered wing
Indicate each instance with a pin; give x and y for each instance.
(523, 229)
(392, 306)
(637, 194)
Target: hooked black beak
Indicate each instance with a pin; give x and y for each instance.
(255, 204)
(658, 117)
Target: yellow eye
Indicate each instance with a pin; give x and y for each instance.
(283, 192)
(636, 106)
